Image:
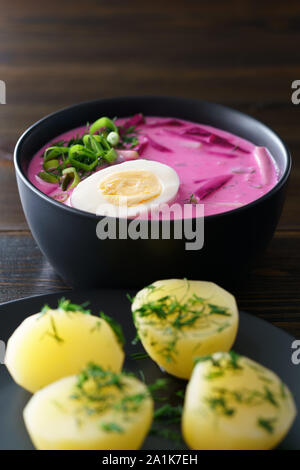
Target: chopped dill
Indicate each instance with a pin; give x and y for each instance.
(115, 326)
(139, 355)
(221, 364)
(45, 309)
(270, 397)
(128, 137)
(168, 414)
(135, 340)
(95, 394)
(214, 374)
(165, 415)
(169, 349)
(67, 306)
(210, 357)
(180, 394)
(129, 297)
(166, 434)
(100, 377)
(234, 358)
(222, 327)
(159, 384)
(58, 405)
(222, 401)
(97, 327)
(220, 405)
(130, 403)
(53, 332)
(216, 310)
(185, 313)
(151, 287)
(193, 199)
(111, 427)
(282, 390)
(265, 379)
(178, 315)
(267, 424)
(142, 375)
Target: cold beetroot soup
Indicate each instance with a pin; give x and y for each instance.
(213, 167)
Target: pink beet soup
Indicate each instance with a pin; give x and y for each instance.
(215, 168)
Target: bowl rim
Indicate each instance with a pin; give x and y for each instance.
(71, 210)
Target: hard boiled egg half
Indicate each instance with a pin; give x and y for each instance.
(127, 189)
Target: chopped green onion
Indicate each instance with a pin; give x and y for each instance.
(103, 142)
(103, 122)
(93, 144)
(48, 177)
(82, 158)
(113, 138)
(110, 156)
(70, 178)
(52, 152)
(87, 142)
(66, 162)
(50, 164)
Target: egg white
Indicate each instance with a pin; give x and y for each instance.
(88, 197)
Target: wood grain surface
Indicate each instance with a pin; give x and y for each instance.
(240, 53)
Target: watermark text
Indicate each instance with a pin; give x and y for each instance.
(295, 97)
(296, 352)
(2, 92)
(166, 222)
(2, 351)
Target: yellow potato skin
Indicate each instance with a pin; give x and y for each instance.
(197, 340)
(37, 356)
(55, 421)
(205, 429)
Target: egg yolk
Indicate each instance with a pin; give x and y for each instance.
(130, 188)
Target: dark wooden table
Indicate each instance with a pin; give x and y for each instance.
(241, 53)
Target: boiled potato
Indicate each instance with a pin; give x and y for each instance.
(178, 320)
(57, 343)
(234, 403)
(96, 409)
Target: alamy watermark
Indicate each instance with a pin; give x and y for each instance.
(2, 351)
(295, 97)
(296, 353)
(2, 92)
(164, 222)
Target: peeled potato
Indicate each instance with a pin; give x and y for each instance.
(234, 403)
(95, 410)
(178, 320)
(57, 343)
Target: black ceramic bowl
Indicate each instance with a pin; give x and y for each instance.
(67, 236)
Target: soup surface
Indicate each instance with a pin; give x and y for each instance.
(215, 168)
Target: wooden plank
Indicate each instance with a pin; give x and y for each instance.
(23, 269)
(272, 291)
(219, 32)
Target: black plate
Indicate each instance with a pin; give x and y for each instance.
(256, 338)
